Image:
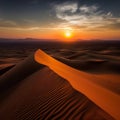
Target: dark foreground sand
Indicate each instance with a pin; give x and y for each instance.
(31, 91)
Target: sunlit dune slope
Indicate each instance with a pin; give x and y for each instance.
(104, 98)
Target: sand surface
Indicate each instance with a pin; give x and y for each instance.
(82, 82)
(33, 91)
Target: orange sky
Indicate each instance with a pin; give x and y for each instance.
(59, 34)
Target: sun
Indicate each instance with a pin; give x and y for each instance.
(68, 34)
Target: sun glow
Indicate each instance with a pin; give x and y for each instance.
(68, 34)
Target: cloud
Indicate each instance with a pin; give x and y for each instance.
(26, 25)
(91, 17)
(23, 24)
(72, 7)
(64, 8)
(88, 9)
(7, 23)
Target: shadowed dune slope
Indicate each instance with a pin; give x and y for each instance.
(45, 95)
(40, 93)
(18, 73)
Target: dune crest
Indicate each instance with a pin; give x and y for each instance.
(104, 98)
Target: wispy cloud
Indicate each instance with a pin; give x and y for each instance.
(89, 17)
(72, 8)
(24, 25)
(88, 9)
(7, 23)
(31, 28)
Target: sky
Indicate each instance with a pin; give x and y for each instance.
(51, 19)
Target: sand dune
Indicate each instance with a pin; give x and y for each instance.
(5, 68)
(81, 82)
(89, 61)
(39, 92)
(48, 97)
